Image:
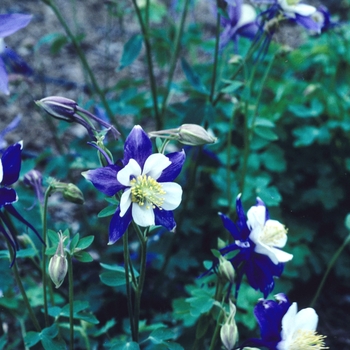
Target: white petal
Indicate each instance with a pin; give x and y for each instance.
(155, 164)
(248, 15)
(142, 216)
(256, 216)
(173, 195)
(131, 169)
(125, 202)
(1, 171)
(304, 10)
(306, 319)
(276, 255)
(288, 327)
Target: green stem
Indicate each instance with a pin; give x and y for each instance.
(216, 331)
(175, 55)
(152, 79)
(228, 157)
(71, 301)
(216, 55)
(127, 280)
(329, 267)
(22, 290)
(85, 64)
(44, 275)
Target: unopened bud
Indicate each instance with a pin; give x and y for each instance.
(34, 179)
(228, 335)
(194, 135)
(58, 265)
(59, 107)
(226, 270)
(73, 194)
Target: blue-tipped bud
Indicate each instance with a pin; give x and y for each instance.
(59, 107)
(58, 265)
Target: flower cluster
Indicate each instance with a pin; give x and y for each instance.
(258, 240)
(146, 179)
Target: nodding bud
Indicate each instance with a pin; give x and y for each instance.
(228, 331)
(194, 135)
(226, 270)
(34, 179)
(73, 194)
(58, 265)
(59, 107)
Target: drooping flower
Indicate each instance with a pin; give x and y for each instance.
(258, 240)
(9, 24)
(241, 21)
(282, 327)
(146, 179)
(10, 166)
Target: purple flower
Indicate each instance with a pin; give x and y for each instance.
(282, 327)
(9, 24)
(241, 21)
(149, 194)
(258, 240)
(10, 166)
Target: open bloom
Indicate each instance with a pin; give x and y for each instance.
(241, 22)
(258, 240)
(10, 166)
(9, 24)
(149, 194)
(282, 327)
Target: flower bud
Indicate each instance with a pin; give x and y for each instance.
(73, 194)
(228, 331)
(194, 135)
(58, 265)
(59, 107)
(226, 270)
(34, 179)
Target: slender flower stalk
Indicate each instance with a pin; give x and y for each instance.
(71, 302)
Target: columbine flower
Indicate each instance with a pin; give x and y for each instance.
(9, 24)
(241, 22)
(149, 194)
(10, 166)
(282, 327)
(258, 241)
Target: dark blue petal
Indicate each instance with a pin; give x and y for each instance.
(249, 30)
(242, 220)
(15, 63)
(11, 209)
(13, 125)
(137, 146)
(7, 196)
(165, 218)
(105, 179)
(3, 78)
(11, 164)
(118, 225)
(226, 35)
(308, 23)
(234, 11)
(170, 173)
(10, 23)
(12, 240)
(231, 227)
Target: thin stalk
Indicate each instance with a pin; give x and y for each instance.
(329, 267)
(175, 55)
(43, 272)
(127, 286)
(216, 331)
(228, 157)
(22, 290)
(85, 64)
(71, 301)
(152, 79)
(216, 55)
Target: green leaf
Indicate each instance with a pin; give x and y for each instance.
(103, 330)
(108, 211)
(3, 341)
(27, 253)
(193, 78)
(216, 253)
(347, 221)
(232, 86)
(85, 242)
(266, 133)
(74, 242)
(125, 346)
(31, 339)
(83, 256)
(113, 278)
(160, 334)
(301, 111)
(131, 50)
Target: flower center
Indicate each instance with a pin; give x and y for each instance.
(147, 191)
(307, 340)
(273, 233)
(293, 2)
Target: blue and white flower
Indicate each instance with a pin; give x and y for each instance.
(282, 327)
(241, 21)
(9, 24)
(146, 179)
(258, 240)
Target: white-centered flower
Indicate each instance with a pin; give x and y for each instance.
(299, 330)
(268, 235)
(291, 8)
(144, 192)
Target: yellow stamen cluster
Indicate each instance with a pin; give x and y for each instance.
(307, 340)
(147, 191)
(293, 2)
(273, 233)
